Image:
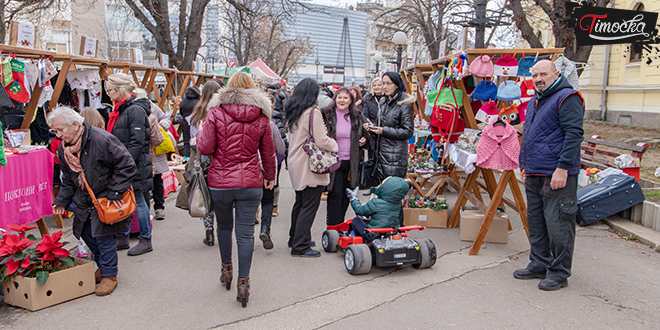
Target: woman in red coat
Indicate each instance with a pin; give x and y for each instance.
(236, 132)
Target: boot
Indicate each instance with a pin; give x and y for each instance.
(275, 213)
(97, 275)
(264, 236)
(142, 247)
(243, 291)
(209, 238)
(107, 285)
(122, 242)
(226, 276)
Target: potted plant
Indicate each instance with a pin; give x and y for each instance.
(25, 272)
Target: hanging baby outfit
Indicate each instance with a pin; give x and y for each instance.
(498, 147)
(568, 69)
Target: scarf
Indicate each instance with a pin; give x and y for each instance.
(72, 155)
(114, 115)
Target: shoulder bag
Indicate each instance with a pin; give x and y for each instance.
(199, 196)
(320, 161)
(111, 214)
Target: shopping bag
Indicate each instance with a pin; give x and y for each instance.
(167, 145)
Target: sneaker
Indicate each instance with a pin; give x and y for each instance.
(524, 274)
(160, 214)
(552, 285)
(309, 254)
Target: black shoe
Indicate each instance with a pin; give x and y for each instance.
(524, 274)
(309, 254)
(208, 240)
(122, 242)
(290, 245)
(265, 238)
(142, 247)
(552, 285)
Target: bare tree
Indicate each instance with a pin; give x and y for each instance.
(428, 19)
(11, 9)
(255, 29)
(555, 12)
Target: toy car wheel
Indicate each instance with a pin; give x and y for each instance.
(329, 240)
(357, 259)
(427, 254)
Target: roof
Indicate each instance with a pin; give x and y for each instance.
(264, 68)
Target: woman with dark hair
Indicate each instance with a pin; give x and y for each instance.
(307, 184)
(357, 96)
(344, 121)
(395, 128)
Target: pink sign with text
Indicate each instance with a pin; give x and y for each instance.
(26, 187)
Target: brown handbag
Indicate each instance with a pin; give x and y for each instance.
(111, 214)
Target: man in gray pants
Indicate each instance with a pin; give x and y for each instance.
(550, 163)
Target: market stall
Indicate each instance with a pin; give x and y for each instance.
(133, 69)
(188, 78)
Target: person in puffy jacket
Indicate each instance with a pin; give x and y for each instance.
(186, 109)
(236, 131)
(129, 122)
(395, 129)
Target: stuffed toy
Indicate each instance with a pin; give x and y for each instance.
(482, 66)
(506, 66)
(508, 91)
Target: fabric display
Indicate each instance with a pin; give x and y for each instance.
(49, 69)
(506, 66)
(522, 111)
(487, 113)
(77, 79)
(430, 86)
(482, 66)
(498, 147)
(525, 64)
(568, 70)
(46, 94)
(16, 88)
(486, 90)
(460, 66)
(510, 115)
(93, 88)
(526, 90)
(6, 71)
(31, 76)
(469, 84)
(508, 91)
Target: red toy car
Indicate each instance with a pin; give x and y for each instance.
(389, 247)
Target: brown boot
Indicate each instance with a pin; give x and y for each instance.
(97, 275)
(107, 285)
(226, 276)
(243, 290)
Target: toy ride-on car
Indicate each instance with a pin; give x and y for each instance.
(384, 247)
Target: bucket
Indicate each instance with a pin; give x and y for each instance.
(632, 171)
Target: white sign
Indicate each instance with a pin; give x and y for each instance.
(443, 48)
(25, 35)
(462, 40)
(89, 46)
(209, 67)
(137, 56)
(195, 67)
(164, 60)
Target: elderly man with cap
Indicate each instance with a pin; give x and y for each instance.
(550, 163)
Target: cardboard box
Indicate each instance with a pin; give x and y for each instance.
(61, 286)
(471, 220)
(425, 217)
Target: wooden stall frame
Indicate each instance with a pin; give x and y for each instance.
(469, 190)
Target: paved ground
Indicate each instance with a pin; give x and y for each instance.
(615, 285)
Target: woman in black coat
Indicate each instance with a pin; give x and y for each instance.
(186, 109)
(129, 122)
(109, 170)
(338, 116)
(395, 129)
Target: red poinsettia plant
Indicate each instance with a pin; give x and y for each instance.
(16, 259)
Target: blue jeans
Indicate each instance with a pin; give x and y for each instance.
(245, 202)
(142, 209)
(104, 249)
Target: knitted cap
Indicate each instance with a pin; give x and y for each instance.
(506, 66)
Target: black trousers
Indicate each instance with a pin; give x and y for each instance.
(302, 217)
(551, 216)
(159, 192)
(338, 202)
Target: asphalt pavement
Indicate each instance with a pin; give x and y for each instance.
(615, 284)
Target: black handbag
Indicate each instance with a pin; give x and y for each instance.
(370, 172)
(6, 104)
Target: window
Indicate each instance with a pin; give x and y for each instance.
(634, 55)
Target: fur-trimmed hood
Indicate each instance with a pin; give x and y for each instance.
(242, 96)
(406, 99)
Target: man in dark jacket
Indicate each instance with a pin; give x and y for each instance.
(550, 163)
(185, 109)
(109, 170)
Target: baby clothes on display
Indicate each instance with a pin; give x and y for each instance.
(93, 88)
(77, 79)
(568, 69)
(46, 94)
(31, 76)
(430, 86)
(498, 147)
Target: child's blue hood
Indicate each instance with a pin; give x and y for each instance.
(393, 189)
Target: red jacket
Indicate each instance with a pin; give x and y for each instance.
(235, 132)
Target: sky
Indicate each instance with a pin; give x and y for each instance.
(335, 3)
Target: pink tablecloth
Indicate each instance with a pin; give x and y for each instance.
(26, 187)
(170, 182)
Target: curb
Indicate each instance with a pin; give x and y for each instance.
(644, 234)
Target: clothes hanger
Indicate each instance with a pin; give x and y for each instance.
(499, 121)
